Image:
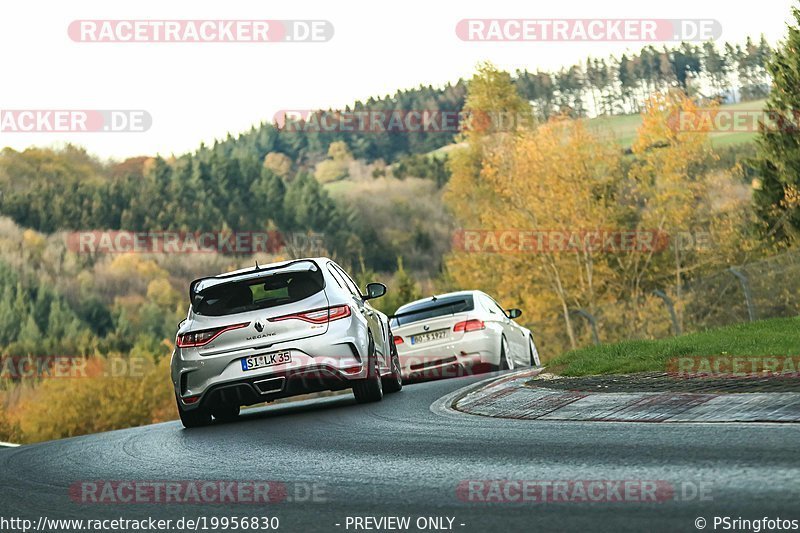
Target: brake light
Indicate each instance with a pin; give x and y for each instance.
(398, 339)
(469, 325)
(317, 316)
(203, 337)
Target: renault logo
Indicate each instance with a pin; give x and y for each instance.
(259, 326)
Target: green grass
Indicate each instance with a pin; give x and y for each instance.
(623, 127)
(339, 188)
(446, 149)
(774, 337)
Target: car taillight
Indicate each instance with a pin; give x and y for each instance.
(317, 316)
(469, 325)
(202, 337)
(398, 339)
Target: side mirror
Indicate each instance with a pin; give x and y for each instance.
(513, 313)
(375, 290)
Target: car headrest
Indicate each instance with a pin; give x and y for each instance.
(302, 287)
(241, 296)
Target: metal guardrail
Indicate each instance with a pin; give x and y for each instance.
(767, 288)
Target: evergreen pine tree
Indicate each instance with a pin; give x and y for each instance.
(778, 159)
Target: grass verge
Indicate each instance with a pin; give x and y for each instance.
(774, 337)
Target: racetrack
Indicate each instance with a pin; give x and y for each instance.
(398, 458)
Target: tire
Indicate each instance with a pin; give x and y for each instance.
(503, 357)
(226, 413)
(531, 348)
(195, 418)
(394, 383)
(369, 389)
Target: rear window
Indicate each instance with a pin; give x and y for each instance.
(448, 305)
(271, 290)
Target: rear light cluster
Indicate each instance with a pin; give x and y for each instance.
(469, 325)
(203, 337)
(465, 326)
(318, 316)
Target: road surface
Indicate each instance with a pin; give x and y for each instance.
(399, 458)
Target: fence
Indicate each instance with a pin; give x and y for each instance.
(768, 288)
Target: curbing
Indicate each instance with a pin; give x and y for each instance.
(512, 397)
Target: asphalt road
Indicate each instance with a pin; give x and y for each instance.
(398, 458)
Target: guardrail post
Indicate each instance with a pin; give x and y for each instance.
(591, 320)
(748, 297)
(671, 308)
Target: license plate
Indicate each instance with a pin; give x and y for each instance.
(270, 359)
(430, 336)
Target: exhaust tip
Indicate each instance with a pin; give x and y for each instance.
(270, 386)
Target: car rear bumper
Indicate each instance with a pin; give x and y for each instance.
(325, 362)
(472, 354)
(269, 387)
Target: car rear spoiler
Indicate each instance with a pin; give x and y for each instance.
(440, 306)
(201, 284)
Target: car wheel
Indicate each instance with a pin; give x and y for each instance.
(534, 353)
(394, 383)
(370, 389)
(226, 413)
(504, 361)
(195, 418)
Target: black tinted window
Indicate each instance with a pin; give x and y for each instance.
(449, 305)
(260, 293)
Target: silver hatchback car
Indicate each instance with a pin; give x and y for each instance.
(280, 330)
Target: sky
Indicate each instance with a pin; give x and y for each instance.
(198, 92)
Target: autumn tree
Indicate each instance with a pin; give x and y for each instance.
(559, 176)
(278, 163)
